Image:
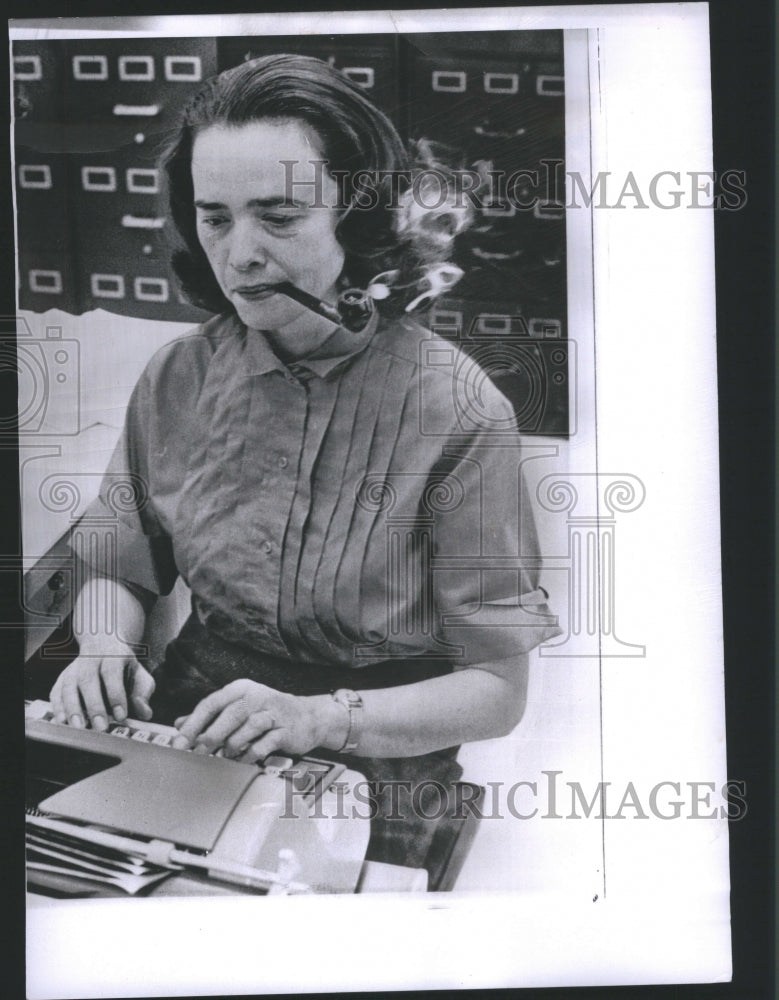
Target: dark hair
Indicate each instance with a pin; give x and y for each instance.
(355, 135)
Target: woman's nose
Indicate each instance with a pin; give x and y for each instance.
(247, 247)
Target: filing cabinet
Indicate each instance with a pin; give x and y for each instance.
(503, 110)
(137, 83)
(92, 116)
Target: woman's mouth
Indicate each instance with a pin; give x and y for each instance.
(255, 293)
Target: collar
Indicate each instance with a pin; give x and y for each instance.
(259, 357)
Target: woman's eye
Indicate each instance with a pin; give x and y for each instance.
(212, 221)
(280, 221)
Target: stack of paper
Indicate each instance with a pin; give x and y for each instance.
(55, 854)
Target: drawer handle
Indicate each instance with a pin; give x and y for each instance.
(495, 254)
(90, 68)
(484, 129)
(151, 289)
(98, 178)
(449, 81)
(47, 282)
(107, 286)
(501, 83)
(136, 68)
(446, 318)
(141, 222)
(142, 180)
(27, 68)
(550, 86)
(361, 76)
(136, 110)
(184, 69)
(35, 176)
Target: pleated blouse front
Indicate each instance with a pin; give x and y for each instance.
(341, 510)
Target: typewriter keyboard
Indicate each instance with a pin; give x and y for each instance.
(152, 732)
(164, 735)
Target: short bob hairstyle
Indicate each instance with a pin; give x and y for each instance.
(355, 136)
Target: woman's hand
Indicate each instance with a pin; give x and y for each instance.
(250, 721)
(104, 681)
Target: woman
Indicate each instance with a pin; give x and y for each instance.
(309, 480)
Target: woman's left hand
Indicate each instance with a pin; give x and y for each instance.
(250, 721)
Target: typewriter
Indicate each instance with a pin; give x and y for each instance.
(126, 811)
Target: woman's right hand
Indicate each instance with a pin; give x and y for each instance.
(105, 681)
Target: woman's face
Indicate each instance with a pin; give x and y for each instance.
(257, 229)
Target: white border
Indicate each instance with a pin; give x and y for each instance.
(354, 23)
(665, 918)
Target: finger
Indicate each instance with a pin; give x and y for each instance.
(205, 713)
(141, 689)
(57, 706)
(113, 673)
(92, 696)
(71, 700)
(256, 725)
(260, 749)
(229, 719)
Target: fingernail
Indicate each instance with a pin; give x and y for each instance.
(77, 721)
(61, 718)
(180, 743)
(201, 748)
(99, 723)
(119, 713)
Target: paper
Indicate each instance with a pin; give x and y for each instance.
(603, 854)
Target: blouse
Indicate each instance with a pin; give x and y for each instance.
(341, 510)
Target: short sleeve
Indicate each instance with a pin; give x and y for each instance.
(489, 602)
(127, 540)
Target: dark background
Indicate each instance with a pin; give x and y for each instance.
(743, 45)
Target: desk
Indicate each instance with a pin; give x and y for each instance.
(375, 877)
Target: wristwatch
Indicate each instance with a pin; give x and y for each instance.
(352, 702)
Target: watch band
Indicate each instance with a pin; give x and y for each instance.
(352, 702)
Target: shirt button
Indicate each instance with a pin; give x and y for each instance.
(267, 547)
(283, 461)
(291, 379)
